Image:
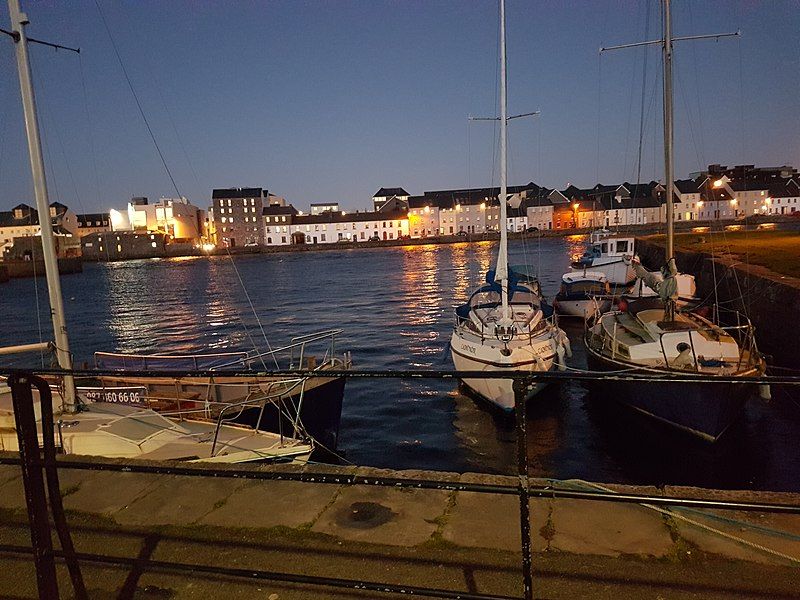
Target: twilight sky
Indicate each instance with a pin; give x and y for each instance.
(328, 101)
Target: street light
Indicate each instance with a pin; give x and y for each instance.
(575, 208)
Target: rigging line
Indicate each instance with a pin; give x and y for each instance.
(253, 309)
(697, 87)
(599, 112)
(89, 131)
(158, 87)
(689, 117)
(52, 125)
(136, 98)
(641, 107)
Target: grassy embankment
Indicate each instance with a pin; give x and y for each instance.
(778, 251)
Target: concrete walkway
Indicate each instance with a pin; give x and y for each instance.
(431, 538)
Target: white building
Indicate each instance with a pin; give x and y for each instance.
(23, 221)
(331, 227)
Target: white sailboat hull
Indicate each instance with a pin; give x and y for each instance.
(471, 355)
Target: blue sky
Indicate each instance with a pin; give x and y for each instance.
(328, 101)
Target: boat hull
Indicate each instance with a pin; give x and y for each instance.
(581, 307)
(470, 356)
(617, 272)
(703, 410)
(320, 410)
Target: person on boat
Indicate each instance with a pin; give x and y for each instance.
(684, 360)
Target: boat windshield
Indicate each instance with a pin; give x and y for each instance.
(583, 287)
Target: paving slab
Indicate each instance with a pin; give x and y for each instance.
(380, 515)
(266, 504)
(608, 529)
(480, 520)
(178, 501)
(777, 535)
(105, 492)
(8, 472)
(12, 493)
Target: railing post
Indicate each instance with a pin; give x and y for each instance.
(520, 387)
(33, 482)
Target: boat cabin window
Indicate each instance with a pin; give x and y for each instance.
(485, 298)
(604, 248)
(525, 297)
(622, 245)
(583, 287)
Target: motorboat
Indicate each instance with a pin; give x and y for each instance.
(606, 253)
(583, 294)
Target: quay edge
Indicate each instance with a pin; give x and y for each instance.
(425, 537)
(768, 299)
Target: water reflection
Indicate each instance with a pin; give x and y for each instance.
(395, 306)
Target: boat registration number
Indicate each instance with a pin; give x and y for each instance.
(119, 395)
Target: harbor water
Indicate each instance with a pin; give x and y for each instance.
(396, 308)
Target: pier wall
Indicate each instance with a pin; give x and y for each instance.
(771, 301)
(31, 268)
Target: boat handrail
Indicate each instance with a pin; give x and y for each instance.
(263, 403)
(745, 342)
(299, 341)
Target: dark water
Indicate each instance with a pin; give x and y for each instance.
(395, 306)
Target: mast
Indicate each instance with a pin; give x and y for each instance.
(670, 180)
(18, 22)
(501, 273)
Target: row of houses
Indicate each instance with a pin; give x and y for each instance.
(252, 216)
(719, 193)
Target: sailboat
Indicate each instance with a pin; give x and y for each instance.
(106, 428)
(506, 325)
(653, 336)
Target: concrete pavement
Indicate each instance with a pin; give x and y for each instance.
(429, 538)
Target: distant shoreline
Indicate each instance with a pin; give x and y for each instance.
(630, 230)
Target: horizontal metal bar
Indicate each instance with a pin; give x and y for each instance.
(539, 491)
(709, 36)
(529, 114)
(532, 376)
(634, 45)
(22, 348)
(261, 575)
(52, 45)
(484, 118)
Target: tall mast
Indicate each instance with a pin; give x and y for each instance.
(670, 180)
(502, 259)
(18, 22)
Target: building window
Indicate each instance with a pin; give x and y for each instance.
(322, 237)
(269, 240)
(283, 239)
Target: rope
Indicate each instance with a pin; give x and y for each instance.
(136, 98)
(673, 514)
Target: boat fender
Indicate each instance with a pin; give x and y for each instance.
(562, 365)
(622, 305)
(765, 392)
(540, 366)
(566, 343)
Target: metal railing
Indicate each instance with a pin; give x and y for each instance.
(34, 465)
